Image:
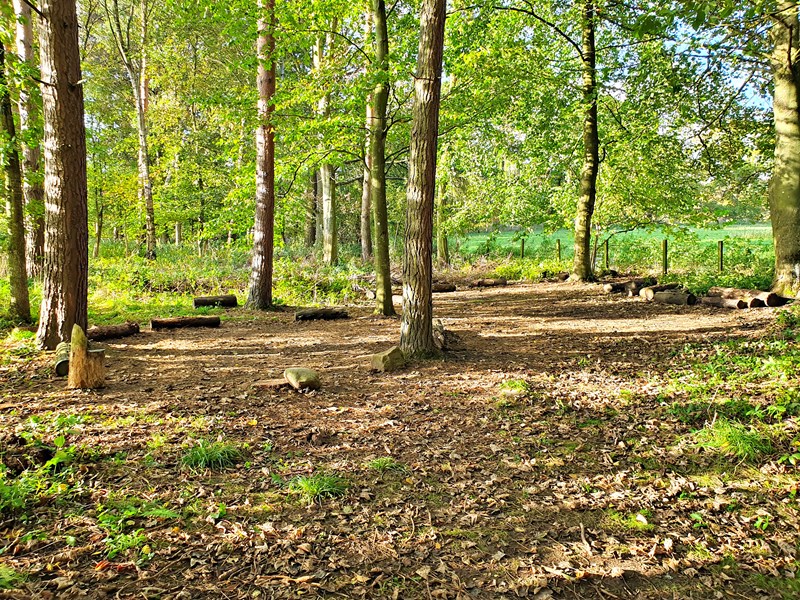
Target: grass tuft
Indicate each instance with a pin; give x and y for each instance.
(316, 487)
(214, 455)
(384, 464)
(734, 439)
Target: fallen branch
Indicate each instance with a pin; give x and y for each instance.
(98, 333)
(227, 301)
(325, 314)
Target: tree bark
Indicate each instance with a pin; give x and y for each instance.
(226, 300)
(260, 295)
(330, 242)
(366, 204)
(442, 249)
(674, 297)
(377, 162)
(97, 333)
(98, 223)
(65, 286)
(582, 263)
(311, 210)
(416, 330)
(20, 308)
(32, 188)
(325, 314)
(784, 193)
(87, 368)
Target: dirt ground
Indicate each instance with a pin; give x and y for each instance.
(580, 485)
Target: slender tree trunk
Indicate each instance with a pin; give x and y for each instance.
(330, 240)
(582, 264)
(64, 291)
(32, 188)
(318, 203)
(260, 295)
(178, 233)
(99, 207)
(442, 249)
(366, 204)
(416, 331)
(377, 161)
(311, 210)
(20, 309)
(784, 193)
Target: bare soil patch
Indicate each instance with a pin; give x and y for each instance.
(581, 486)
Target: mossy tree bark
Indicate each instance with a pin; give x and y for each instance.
(416, 331)
(784, 192)
(20, 308)
(582, 264)
(260, 294)
(66, 256)
(377, 161)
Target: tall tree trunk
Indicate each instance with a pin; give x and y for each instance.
(784, 192)
(99, 209)
(330, 242)
(582, 264)
(260, 294)
(442, 248)
(20, 309)
(64, 292)
(311, 210)
(416, 330)
(32, 188)
(318, 203)
(377, 161)
(366, 202)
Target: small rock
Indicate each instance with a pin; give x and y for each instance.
(301, 378)
(389, 360)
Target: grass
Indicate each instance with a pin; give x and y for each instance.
(211, 455)
(318, 486)
(9, 578)
(384, 464)
(734, 440)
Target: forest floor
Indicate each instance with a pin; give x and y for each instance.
(541, 457)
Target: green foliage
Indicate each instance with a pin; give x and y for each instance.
(9, 578)
(214, 455)
(385, 464)
(118, 518)
(734, 439)
(319, 486)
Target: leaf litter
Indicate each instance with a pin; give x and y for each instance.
(579, 484)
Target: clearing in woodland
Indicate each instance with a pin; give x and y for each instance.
(553, 452)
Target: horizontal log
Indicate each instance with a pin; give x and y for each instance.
(325, 314)
(721, 302)
(754, 298)
(179, 322)
(442, 288)
(675, 297)
(488, 282)
(632, 286)
(97, 333)
(649, 291)
(226, 300)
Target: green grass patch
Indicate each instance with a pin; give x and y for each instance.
(212, 455)
(9, 578)
(319, 486)
(734, 440)
(384, 464)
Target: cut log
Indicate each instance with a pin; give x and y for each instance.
(649, 291)
(631, 286)
(490, 282)
(325, 314)
(442, 288)
(97, 333)
(721, 302)
(754, 298)
(87, 368)
(62, 359)
(227, 301)
(674, 297)
(563, 276)
(178, 322)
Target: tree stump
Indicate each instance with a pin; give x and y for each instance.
(87, 367)
(62, 359)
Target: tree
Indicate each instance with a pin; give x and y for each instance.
(582, 267)
(377, 158)
(65, 287)
(134, 57)
(327, 171)
(416, 330)
(20, 308)
(260, 295)
(784, 192)
(29, 133)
